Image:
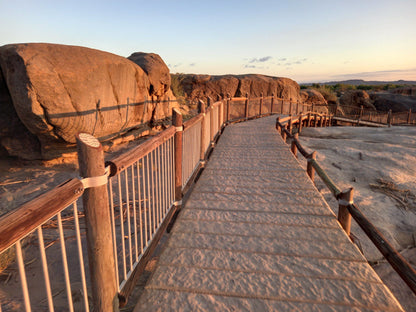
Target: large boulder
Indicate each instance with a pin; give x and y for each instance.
(58, 91)
(200, 86)
(312, 96)
(356, 98)
(156, 70)
(384, 101)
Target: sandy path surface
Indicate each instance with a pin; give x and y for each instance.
(256, 235)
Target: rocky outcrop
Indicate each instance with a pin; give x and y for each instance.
(312, 96)
(156, 70)
(396, 102)
(52, 92)
(201, 86)
(405, 91)
(356, 98)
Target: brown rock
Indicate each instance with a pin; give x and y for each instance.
(396, 102)
(58, 91)
(15, 139)
(356, 98)
(156, 70)
(312, 96)
(201, 86)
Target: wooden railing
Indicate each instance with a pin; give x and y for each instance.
(346, 206)
(371, 115)
(126, 206)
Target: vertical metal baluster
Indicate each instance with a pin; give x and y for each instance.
(123, 245)
(168, 173)
(113, 223)
(159, 188)
(81, 258)
(126, 183)
(148, 199)
(156, 187)
(133, 191)
(164, 176)
(139, 185)
(45, 269)
(160, 182)
(22, 274)
(172, 166)
(153, 193)
(65, 262)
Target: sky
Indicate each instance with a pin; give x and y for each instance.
(308, 41)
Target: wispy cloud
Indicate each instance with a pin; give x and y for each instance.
(260, 60)
(192, 65)
(393, 74)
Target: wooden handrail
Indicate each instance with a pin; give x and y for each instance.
(399, 264)
(189, 123)
(124, 160)
(396, 260)
(18, 223)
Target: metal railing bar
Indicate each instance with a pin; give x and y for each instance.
(121, 212)
(81, 258)
(45, 269)
(126, 185)
(139, 186)
(113, 228)
(22, 274)
(133, 188)
(65, 263)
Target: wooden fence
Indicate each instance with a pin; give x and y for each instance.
(347, 208)
(370, 115)
(118, 211)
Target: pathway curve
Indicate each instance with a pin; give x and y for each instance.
(256, 235)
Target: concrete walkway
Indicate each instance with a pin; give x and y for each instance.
(256, 235)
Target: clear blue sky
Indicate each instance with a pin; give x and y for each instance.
(303, 40)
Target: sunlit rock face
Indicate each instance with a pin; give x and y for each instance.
(311, 96)
(52, 92)
(200, 86)
(356, 98)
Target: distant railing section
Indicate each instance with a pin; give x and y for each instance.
(371, 115)
(347, 208)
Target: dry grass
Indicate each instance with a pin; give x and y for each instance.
(405, 199)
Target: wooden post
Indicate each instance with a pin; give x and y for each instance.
(321, 120)
(300, 123)
(98, 223)
(293, 145)
(309, 169)
(361, 111)
(312, 108)
(297, 107)
(178, 124)
(261, 104)
(409, 116)
(290, 124)
(278, 128)
(246, 106)
(315, 120)
(290, 106)
(211, 125)
(208, 101)
(389, 117)
(282, 106)
(344, 217)
(228, 107)
(308, 123)
(271, 104)
(201, 110)
(284, 135)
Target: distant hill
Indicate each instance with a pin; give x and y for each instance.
(357, 82)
